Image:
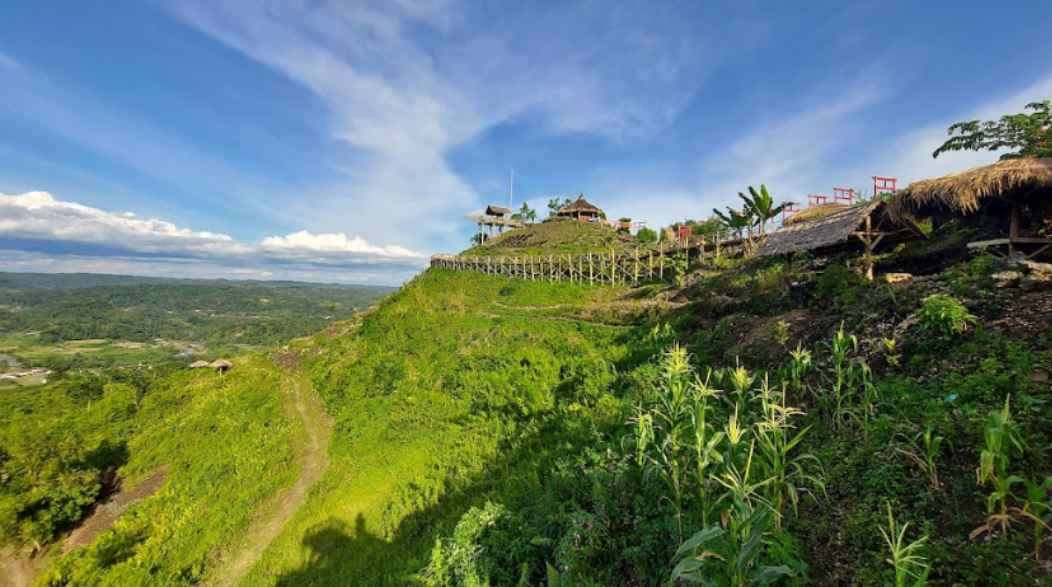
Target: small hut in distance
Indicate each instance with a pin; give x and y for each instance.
(200, 365)
(497, 211)
(221, 366)
(580, 210)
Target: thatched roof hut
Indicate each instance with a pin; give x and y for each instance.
(222, 365)
(497, 211)
(967, 191)
(854, 228)
(1020, 189)
(580, 209)
(200, 365)
(814, 212)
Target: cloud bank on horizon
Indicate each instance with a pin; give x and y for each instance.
(39, 227)
(276, 128)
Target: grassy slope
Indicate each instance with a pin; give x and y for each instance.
(437, 396)
(555, 237)
(448, 397)
(226, 443)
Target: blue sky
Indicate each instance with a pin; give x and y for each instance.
(345, 141)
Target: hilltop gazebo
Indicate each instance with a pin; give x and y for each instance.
(580, 210)
(1019, 189)
(497, 211)
(221, 365)
(852, 228)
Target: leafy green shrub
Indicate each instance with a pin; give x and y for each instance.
(460, 561)
(943, 315)
(838, 284)
(647, 235)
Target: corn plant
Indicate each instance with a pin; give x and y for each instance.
(924, 448)
(737, 544)
(890, 345)
(1037, 507)
(675, 439)
(786, 473)
(911, 568)
(1000, 434)
(798, 368)
(849, 393)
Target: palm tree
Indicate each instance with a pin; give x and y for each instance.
(761, 205)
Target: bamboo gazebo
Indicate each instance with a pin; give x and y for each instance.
(1020, 189)
(852, 228)
(582, 209)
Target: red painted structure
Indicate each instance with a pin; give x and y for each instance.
(814, 200)
(789, 209)
(884, 185)
(844, 196)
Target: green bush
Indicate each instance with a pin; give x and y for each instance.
(647, 235)
(943, 315)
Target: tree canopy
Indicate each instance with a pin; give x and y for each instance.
(1029, 135)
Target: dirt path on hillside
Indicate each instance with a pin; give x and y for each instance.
(19, 568)
(280, 508)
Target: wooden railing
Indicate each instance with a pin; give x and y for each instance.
(605, 268)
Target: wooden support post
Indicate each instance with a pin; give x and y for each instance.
(635, 267)
(661, 261)
(1013, 231)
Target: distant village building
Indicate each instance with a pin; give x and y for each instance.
(580, 210)
(200, 365)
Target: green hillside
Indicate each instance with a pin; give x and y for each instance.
(759, 424)
(555, 237)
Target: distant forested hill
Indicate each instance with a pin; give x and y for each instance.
(38, 309)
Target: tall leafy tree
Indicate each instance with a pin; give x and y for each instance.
(1029, 135)
(555, 204)
(526, 214)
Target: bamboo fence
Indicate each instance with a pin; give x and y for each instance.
(605, 268)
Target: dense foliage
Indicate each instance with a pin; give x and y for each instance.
(39, 313)
(1028, 135)
(222, 442)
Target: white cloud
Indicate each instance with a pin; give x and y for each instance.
(39, 215)
(407, 82)
(37, 226)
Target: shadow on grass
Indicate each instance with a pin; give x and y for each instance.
(334, 550)
(361, 556)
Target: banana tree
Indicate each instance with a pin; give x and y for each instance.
(761, 206)
(739, 222)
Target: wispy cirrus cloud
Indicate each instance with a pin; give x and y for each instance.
(36, 225)
(406, 82)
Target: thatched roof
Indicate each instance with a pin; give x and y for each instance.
(837, 232)
(221, 364)
(813, 212)
(964, 192)
(580, 206)
(200, 365)
(497, 211)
